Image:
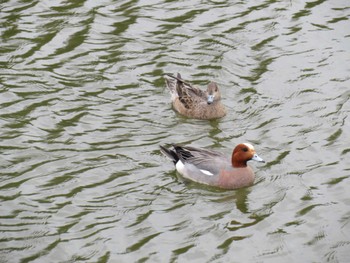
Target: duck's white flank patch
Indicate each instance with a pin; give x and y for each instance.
(206, 172)
(180, 166)
(249, 145)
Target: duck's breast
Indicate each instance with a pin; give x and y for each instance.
(236, 177)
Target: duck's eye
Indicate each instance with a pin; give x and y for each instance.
(245, 149)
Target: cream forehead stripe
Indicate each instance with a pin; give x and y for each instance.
(249, 145)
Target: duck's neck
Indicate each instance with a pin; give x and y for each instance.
(238, 163)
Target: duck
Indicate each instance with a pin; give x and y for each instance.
(192, 102)
(213, 168)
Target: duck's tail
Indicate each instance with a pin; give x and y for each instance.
(175, 84)
(171, 85)
(178, 78)
(169, 153)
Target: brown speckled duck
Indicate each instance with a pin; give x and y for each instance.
(193, 102)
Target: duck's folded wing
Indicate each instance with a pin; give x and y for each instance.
(187, 89)
(208, 161)
(196, 92)
(184, 96)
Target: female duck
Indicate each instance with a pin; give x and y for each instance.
(193, 102)
(212, 167)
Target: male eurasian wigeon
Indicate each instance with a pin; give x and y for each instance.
(214, 168)
(193, 102)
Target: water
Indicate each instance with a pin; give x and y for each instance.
(84, 108)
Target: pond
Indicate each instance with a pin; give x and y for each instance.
(84, 108)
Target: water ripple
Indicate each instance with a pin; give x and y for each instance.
(84, 108)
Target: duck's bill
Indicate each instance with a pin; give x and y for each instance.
(258, 158)
(210, 99)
